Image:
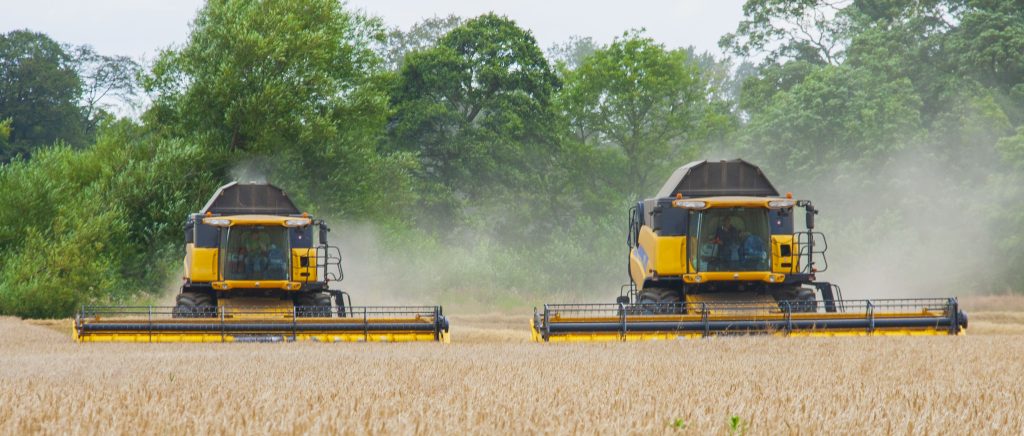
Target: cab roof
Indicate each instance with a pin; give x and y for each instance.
(250, 199)
(706, 178)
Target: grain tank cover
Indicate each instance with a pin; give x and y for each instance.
(250, 199)
(722, 178)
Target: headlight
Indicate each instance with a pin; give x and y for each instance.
(296, 222)
(219, 222)
(690, 204)
(781, 204)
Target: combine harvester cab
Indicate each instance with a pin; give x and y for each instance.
(716, 253)
(253, 273)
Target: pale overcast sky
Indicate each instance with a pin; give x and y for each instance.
(140, 28)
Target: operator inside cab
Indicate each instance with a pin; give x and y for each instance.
(256, 253)
(738, 242)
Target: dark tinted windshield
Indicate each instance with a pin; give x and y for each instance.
(255, 253)
(734, 239)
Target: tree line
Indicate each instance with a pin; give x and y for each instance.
(464, 135)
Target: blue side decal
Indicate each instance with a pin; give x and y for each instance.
(640, 253)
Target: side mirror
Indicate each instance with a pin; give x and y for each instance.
(809, 215)
(323, 233)
(622, 299)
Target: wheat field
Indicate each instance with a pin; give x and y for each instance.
(490, 380)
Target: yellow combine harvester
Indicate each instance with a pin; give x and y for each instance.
(253, 273)
(716, 253)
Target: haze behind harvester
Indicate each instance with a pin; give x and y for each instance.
(254, 273)
(716, 252)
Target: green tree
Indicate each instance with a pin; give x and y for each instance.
(420, 36)
(256, 75)
(289, 86)
(642, 99)
(758, 89)
(106, 80)
(39, 92)
(816, 31)
(96, 225)
(1012, 148)
(836, 117)
(476, 109)
(989, 41)
(570, 54)
(5, 133)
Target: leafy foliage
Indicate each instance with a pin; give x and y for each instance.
(96, 225)
(104, 78)
(39, 92)
(640, 98)
(476, 110)
(287, 87)
(421, 36)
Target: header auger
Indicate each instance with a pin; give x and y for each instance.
(716, 253)
(253, 273)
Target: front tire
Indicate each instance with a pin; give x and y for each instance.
(660, 300)
(194, 305)
(800, 300)
(313, 305)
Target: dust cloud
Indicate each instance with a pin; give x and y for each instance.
(249, 171)
(915, 228)
(373, 273)
(473, 271)
(418, 270)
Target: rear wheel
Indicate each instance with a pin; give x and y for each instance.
(313, 305)
(194, 305)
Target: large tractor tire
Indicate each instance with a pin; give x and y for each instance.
(799, 300)
(660, 300)
(194, 305)
(313, 305)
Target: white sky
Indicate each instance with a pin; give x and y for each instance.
(140, 28)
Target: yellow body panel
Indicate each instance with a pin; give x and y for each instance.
(784, 264)
(637, 269)
(258, 220)
(304, 273)
(665, 256)
(671, 255)
(649, 246)
(201, 264)
(725, 276)
(227, 285)
(736, 201)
